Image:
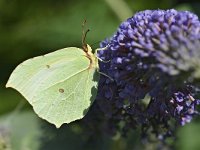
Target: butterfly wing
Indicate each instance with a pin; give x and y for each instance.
(58, 85)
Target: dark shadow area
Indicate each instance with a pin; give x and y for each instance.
(94, 90)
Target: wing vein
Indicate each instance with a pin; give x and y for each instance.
(66, 78)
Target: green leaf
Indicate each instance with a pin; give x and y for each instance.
(188, 137)
(60, 85)
(21, 131)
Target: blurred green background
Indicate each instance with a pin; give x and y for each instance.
(31, 28)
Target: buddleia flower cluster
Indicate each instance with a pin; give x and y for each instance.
(152, 67)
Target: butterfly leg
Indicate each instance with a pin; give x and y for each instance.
(100, 49)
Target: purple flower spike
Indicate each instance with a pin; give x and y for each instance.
(153, 59)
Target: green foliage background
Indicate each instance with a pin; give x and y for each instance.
(31, 28)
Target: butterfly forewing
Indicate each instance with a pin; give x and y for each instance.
(58, 85)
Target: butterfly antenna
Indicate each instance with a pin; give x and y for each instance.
(84, 34)
(83, 31)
